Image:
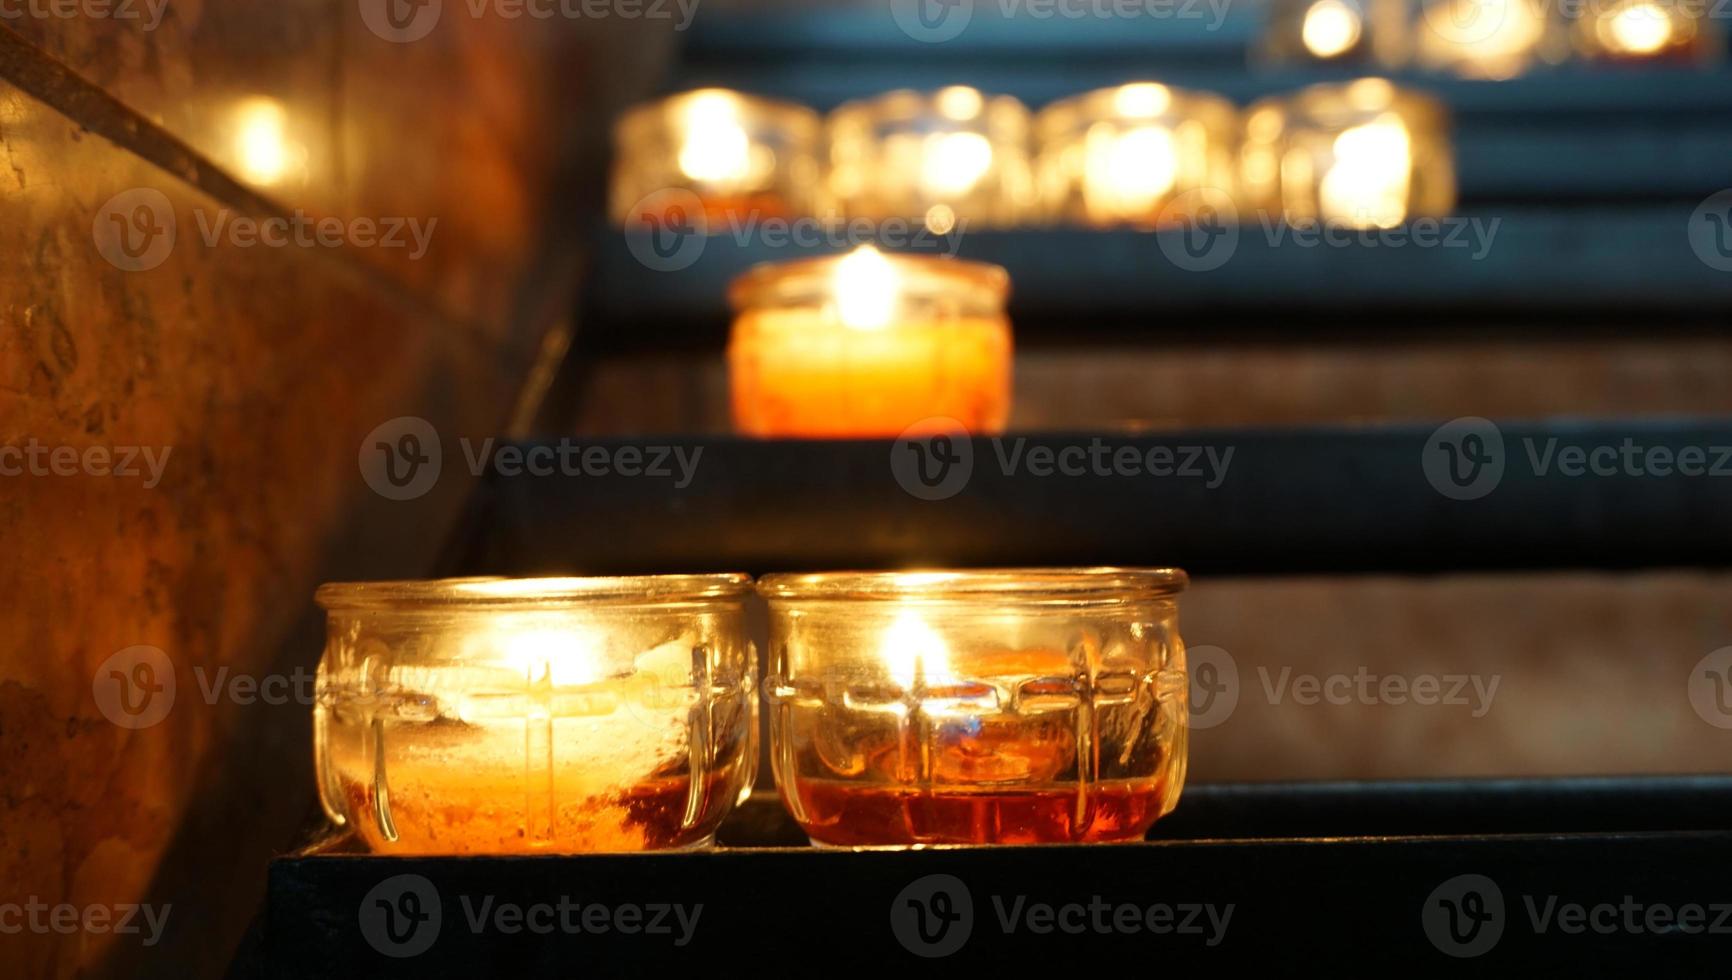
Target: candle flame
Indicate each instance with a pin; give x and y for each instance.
(866, 288)
(264, 153)
(1126, 173)
(914, 654)
(715, 147)
(952, 163)
(1330, 28)
(1367, 185)
(1641, 27)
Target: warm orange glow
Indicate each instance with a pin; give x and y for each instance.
(870, 357)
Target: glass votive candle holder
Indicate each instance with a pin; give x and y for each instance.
(955, 156)
(741, 156)
(1334, 32)
(1486, 39)
(869, 344)
(1657, 31)
(1363, 154)
(1129, 155)
(990, 707)
(523, 716)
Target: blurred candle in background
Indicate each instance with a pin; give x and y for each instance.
(1644, 30)
(739, 154)
(1333, 32)
(1365, 154)
(1490, 39)
(952, 156)
(869, 344)
(263, 145)
(1123, 155)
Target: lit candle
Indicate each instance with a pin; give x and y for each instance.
(869, 344)
(264, 152)
(531, 716)
(1642, 30)
(1485, 38)
(1366, 155)
(1332, 32)
(1015, 706)
(740, 155)
(954, 156)
(1124, 155)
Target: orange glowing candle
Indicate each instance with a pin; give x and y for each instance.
(869, 344)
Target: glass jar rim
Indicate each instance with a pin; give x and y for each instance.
(1012, 585)
(801, 120)
(1098, 105)
(1336, 101)
(501, 592)
(918, 276)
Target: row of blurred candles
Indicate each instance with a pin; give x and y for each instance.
(1488, 38)
(1366, 153)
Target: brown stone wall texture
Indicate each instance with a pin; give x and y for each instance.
(256, 371)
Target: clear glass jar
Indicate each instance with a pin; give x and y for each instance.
(869, 344)
(987, 707)
(514, 716)
(1130, 155)
(741, 155)
(1363, 154)
(942, 159)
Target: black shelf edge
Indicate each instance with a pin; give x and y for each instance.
(1312, 500)
(1366, 904)
(1515, 261)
